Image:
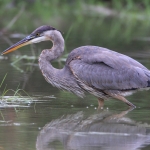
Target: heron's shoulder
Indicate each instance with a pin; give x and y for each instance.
(85, 52)
(91, 48)
(89, 51)
(91, 54)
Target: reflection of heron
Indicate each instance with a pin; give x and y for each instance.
(99, 71)
(106, 130)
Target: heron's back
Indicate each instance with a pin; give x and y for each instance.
(103, 69)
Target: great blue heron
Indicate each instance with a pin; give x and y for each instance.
(99, 71)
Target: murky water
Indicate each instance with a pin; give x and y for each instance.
(48, 118)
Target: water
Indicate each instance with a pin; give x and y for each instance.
(44, 117)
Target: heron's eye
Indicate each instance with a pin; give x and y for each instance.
(37, 34)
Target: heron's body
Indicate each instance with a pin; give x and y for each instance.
(99, 71)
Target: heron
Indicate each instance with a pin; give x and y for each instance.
(88, 69)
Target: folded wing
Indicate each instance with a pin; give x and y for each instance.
(107, 70)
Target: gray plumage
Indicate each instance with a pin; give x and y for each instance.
(99, 71)
(107, 70)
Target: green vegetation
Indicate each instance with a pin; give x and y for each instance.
(17, 96)
(20, 15)
(111, 19)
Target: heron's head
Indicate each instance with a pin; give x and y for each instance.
(42, 33)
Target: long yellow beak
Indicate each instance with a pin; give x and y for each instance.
(19, 44)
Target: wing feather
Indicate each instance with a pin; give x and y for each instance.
(107, 70)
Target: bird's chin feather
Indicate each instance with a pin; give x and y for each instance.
(39, 39)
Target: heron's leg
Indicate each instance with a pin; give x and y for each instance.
(119, 97)
(100, 103)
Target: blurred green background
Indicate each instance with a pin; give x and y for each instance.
(98, 22)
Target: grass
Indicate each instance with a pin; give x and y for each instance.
(17, 96)
(3, 80)
(12, 101)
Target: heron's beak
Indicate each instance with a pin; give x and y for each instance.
(19, 44)
(26, 41)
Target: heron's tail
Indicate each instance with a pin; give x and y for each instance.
(147, 73)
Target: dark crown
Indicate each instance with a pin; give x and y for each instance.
(42, 29)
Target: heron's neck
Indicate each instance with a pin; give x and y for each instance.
(49, 55)
(57, 77)
(58, 46)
